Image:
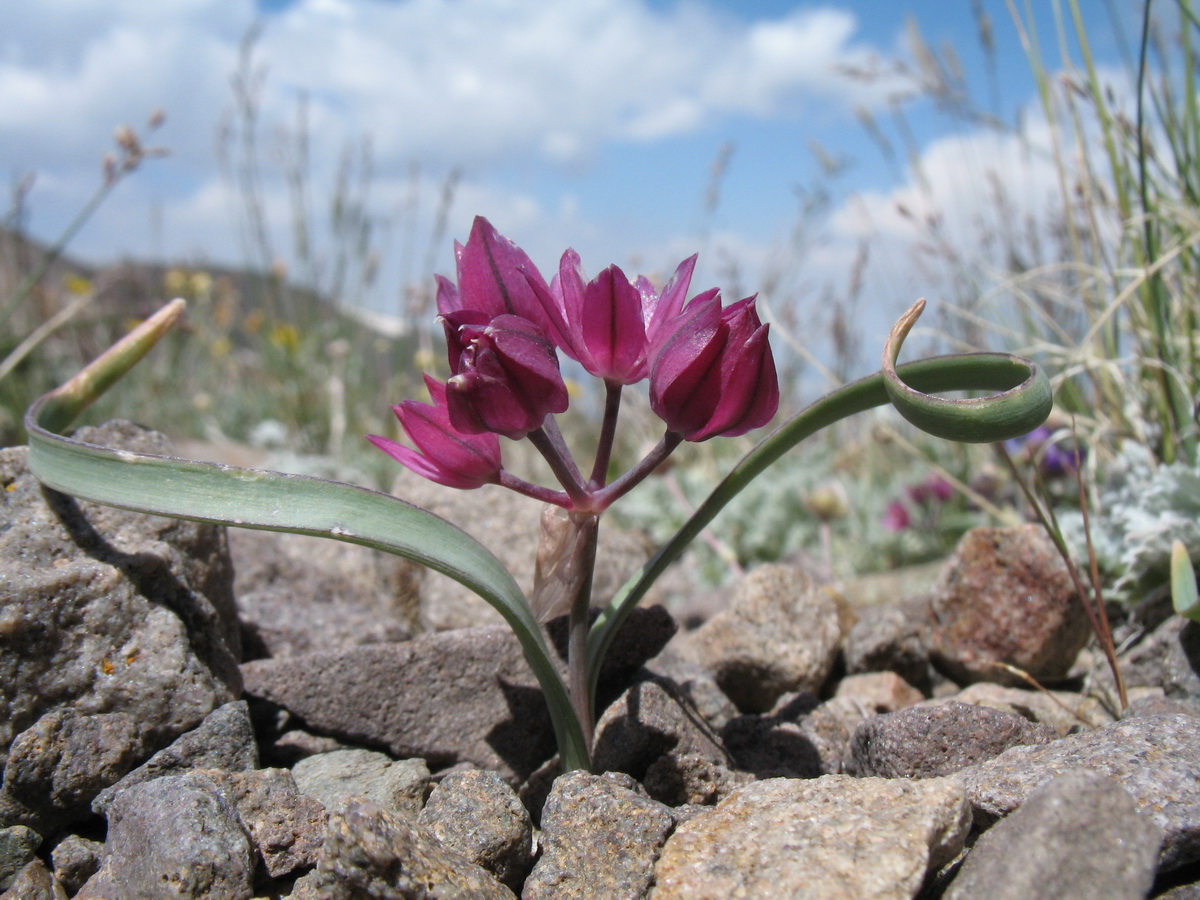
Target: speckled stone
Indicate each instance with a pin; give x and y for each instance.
(116, 628)
(600, 838)
(928, 741)
(398, 786)
(1155, 758)
(1006, 597)
(447, 697)
(177, 832)
(779, 634)
(834, 836)
(370, 853)
(224, 740)
(1077, 837)
(477, 814)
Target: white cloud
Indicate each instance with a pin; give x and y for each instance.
(500, 87)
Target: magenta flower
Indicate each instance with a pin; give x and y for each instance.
(606, 324)
(505, 374)
(711, 370)
(495, 278)
(443, 454)
(896, 517)
(934, 489)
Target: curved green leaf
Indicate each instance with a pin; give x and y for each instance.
(273, 501)
(1023, 404)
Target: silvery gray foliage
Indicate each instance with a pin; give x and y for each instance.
(1140, 509)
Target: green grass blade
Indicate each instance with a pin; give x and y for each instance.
(1183, 583)
(272, 501)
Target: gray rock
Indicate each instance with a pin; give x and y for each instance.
(833, 836)
(299, 594)
(224, 740)
(477, 814)
(34, 882)
(18, 844)
(107, 613)
(1155, 758)
(780, 634)
(651, 734)
(447, 697)
(893, 637)
(1161, 706)
(799, 738)
(697, 685)
(285, 826)
(1077, 837)
(369, 853)
(1063, 711)
(76, 859)
(1006, 597)
(1166, 659)
(57, 765)
(875, 693)
(399, 787)
(600, 838)
(929, 741)
(175, 836)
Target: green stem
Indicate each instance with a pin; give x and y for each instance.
(608, 432)
(577, 638)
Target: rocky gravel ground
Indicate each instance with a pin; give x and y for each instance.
(186, 712)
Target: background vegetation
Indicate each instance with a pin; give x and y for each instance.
(280, 361)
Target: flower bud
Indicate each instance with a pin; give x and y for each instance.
(506, 378)
(712, 372)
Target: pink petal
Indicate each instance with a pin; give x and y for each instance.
(494, 275)
(612, 328)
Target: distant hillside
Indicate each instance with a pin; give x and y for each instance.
(132, 289)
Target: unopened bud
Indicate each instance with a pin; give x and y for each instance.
(828, 502)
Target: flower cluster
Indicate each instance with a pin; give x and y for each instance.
(710, 368)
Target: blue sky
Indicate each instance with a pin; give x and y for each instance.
(593, 123)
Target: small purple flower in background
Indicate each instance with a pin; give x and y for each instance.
(925, 498)
(934, 489)
(1053, 454)
(896, 517)
(443, 453)
(712, 372)
(506, 378)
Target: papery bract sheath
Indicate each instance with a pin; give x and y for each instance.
(505, 375)
(443, 453)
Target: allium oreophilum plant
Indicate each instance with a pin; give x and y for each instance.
(710, 369)
(710, 373)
